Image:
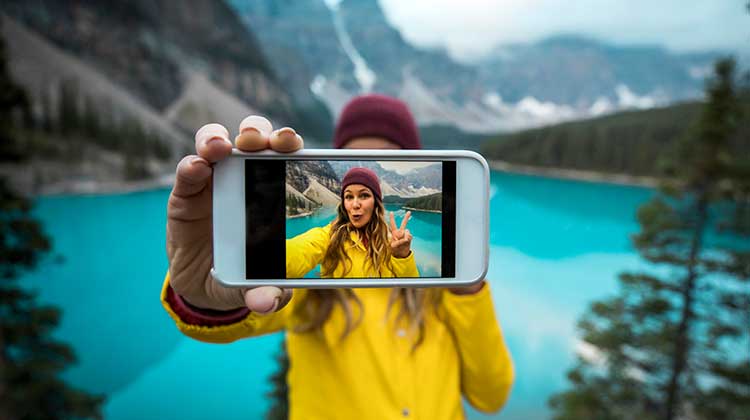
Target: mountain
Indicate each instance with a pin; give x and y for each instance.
(300, 173)
(150, 71)
(310, 185)
(185, 60)
(350, 48)
(419, 182)
(586, 75)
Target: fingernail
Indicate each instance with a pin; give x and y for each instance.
(250, 130)
(275, 306)
(259, 123)
(214, 139)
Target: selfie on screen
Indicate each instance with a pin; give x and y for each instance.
(315, 199)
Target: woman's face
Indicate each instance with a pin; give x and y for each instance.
(359, 203)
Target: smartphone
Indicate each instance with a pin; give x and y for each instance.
(274, 214)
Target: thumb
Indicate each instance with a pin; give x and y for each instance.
(267, 299)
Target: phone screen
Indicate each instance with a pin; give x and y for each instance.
(300, 224)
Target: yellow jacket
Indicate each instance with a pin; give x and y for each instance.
(373, 373)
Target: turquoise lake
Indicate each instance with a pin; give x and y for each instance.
(555, 246)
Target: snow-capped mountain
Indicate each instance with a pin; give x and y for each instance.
(337, 50)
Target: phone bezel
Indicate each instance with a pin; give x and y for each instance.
(472, 182)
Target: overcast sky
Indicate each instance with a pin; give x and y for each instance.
(471, 27)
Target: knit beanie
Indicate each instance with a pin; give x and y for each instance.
(363, 176)
(376, 115)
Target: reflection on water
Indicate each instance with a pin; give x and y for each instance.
(555, 246)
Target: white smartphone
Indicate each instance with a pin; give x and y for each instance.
(273, 215)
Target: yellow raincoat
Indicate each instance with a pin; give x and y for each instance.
(373, 373)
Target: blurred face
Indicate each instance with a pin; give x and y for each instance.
(370, 143)
(359, 203)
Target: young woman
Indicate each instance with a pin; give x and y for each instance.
(358, 242)
(354, 353)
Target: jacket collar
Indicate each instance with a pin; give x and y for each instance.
(356, 241)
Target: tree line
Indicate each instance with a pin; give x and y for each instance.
(632, 142)
(426, 202)
(64, 123)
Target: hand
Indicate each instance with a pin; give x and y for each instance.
(400, 237)
(189, 246)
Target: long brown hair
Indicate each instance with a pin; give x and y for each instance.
(319, 303)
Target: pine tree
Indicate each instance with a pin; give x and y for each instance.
(30, 359)
(14, 107)
(91, 123)
(669, 345)
(279, 409)
(69, 116)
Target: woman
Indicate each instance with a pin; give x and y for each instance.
(354, 353)
(358, 243)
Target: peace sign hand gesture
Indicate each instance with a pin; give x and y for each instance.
(400, 237)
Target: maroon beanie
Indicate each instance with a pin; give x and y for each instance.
(376, 115)
(363, 176)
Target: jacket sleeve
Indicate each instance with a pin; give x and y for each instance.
(405, 267)
(305, 251)
(486, 367)
(219, 326)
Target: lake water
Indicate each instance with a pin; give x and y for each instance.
(555, 246)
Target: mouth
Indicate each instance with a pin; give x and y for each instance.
(356, 217)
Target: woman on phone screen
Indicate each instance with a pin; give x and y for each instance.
(354, 353)
(358, 242)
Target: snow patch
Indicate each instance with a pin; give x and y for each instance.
(529, 111)
(362, 72)
(601, 106)
(628, 99)
(544, 110)
(403, 168)
(408, 192)
(318, 84)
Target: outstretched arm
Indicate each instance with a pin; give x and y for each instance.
(306, 250)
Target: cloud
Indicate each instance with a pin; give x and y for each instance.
(469, 29)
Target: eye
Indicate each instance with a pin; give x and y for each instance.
(348, 197)
(365, 195)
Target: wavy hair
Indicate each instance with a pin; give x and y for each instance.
(319, 303)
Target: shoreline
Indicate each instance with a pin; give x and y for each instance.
(574, 174)
(295, 216)
(90, 186)
(93, 187)
(423, 210)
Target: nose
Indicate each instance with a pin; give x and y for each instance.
(356, 203)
